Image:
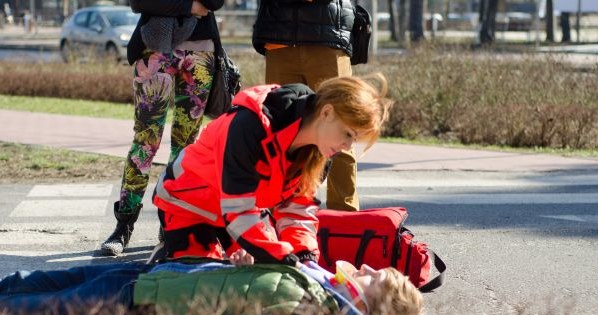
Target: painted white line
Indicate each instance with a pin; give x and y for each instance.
(465, 179)
(482, 199)
(577, 218)
(69, 259)
(60, 208)
(71, 190)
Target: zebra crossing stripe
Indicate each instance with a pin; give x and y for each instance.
(60, 208)
(576, 218)
(489, 198)
(71, 190)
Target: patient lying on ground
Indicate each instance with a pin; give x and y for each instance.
(202, 287)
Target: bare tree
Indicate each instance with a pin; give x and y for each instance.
(393, 23)
(549, 21)
(565, 27)
(416, 20)
(402, 20)
(487, 20)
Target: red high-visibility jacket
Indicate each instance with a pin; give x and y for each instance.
(240, 165)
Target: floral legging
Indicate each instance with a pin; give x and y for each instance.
(180, 78)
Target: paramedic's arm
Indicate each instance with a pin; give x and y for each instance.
(239, 182)
(297, 224)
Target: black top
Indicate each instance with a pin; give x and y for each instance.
(302, 22)
(206, 27)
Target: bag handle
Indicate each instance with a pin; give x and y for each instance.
(324, 234)
(438, 280)
(363, 245)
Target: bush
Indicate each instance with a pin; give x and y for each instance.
(453, 95)
(76, 81)
(525, 101)
(92, 81)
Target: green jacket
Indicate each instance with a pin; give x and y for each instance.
(265, 289)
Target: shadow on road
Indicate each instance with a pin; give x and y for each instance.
(554, 220)
(67, 260)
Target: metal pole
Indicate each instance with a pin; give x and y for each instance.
(577, 24)
(65, 9)
(32, 19)
(375, 28)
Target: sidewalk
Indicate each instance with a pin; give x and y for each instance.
(113, 137)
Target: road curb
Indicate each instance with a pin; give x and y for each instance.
(39, 48)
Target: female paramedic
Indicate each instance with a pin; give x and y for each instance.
(250, 179)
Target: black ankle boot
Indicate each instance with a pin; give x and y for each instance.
(119, 239)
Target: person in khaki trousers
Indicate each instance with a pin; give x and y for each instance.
(309, 42)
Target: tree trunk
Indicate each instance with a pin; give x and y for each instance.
(549, 21)
(402, 21)
(393, 24)
(488, 10)
(416, 17)
(565, 27)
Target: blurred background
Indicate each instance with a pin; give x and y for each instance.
(508, 73)
(398, 20)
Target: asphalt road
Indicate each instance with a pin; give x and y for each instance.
(514, 243)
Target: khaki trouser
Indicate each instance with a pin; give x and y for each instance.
(341, 193)
(311, 65)
(306, 64)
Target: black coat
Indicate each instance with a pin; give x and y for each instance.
(206, 27)
(301, 22)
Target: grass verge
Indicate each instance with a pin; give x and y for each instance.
(63, 106)
(30, 163)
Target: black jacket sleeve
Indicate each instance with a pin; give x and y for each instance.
(212, 5)
(162, 7)
(171, 7)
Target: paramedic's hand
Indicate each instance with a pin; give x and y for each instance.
(241, 257)
(198, 9)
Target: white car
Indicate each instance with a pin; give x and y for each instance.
(100, 31)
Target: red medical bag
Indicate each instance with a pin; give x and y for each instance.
(377, 237)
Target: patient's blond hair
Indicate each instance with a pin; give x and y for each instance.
(399, 296)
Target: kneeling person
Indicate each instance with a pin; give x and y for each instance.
(250, 179)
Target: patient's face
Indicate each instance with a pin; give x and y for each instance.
(370, 280)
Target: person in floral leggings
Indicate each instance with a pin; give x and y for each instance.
(172, 50)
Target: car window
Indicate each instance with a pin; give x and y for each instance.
(81, 19)
(94, 21)
(121, 18)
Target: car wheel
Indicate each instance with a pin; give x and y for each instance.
(66, 51)
(112, 53)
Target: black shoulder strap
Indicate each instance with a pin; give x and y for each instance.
(438, 280)
(324, 234)
(363, 245)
